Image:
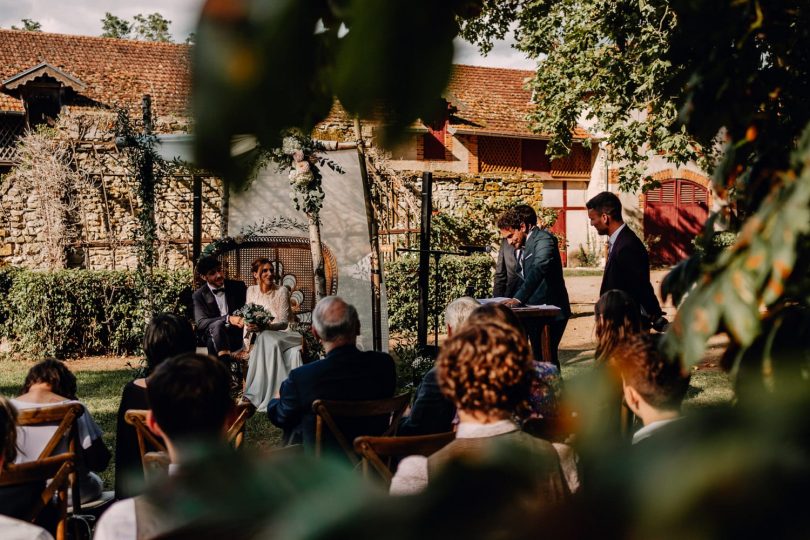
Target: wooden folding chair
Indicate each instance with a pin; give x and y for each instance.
(58, 470)
(64, 416)
(327, 410)
(378, 451)
(149, 443)
(236, 433)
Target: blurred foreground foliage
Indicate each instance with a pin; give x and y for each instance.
(735, 99)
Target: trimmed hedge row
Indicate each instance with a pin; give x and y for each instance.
(82, 312)
(460, 276)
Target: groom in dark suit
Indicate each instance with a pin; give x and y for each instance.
(540, 265)
(214, 304)
(628, 265)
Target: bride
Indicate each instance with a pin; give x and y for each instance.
(277, 350)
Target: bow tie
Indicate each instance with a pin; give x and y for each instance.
(218, 291)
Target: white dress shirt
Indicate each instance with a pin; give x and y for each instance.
(612, 238)
(651, 428)
(14, 529)
(222, 302)
(119, 521)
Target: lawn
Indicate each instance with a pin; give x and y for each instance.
(100, 390)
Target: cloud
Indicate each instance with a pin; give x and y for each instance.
(83, 17)
(502, 55)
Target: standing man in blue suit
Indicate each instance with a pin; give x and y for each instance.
(540, 265)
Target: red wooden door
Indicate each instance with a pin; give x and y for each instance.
(560, 231)
(674, 214)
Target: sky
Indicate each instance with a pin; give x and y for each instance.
(84, 17)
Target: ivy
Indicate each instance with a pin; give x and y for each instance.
(148, 169)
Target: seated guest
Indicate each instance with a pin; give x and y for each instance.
(431, 411)
(654, 387)
(15, 501)
(345, 374)
(544, 396)
(214, 304)
(165, 336)
(617, 318)
(190, 405)
(277, 349)
(486, 370)
(50, 382)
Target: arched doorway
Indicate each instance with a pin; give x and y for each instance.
(674, 214)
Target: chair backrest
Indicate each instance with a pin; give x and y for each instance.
(378, 451)
(148, 442)
(58, 470)
(236, 432)
(327, 410)
(62, 418)
(292, 260)
(156, 465)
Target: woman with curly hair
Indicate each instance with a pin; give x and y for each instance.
(617, 318)
(50, 382)
(544, 396)
(486, 370)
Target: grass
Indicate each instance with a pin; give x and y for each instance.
(100, 391)
(709, 387)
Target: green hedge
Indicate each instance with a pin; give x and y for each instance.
(81, 312)
(458, 273)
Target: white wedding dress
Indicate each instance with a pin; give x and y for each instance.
(277, 350)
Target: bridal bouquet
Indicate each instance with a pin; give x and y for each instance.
(255, 314)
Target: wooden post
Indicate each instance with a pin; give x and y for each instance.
(424, 260)
(374, 238)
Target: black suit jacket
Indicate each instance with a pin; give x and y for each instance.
(628, 269)
(206, 310)
(431, 411)
(507, 279)
(346, 373)
(543, 281)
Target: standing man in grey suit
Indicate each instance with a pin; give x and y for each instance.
(541, 267)
(507, 279)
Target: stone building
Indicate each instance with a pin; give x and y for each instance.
(480, 149)
(82, 80)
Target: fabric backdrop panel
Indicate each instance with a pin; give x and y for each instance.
(344, 228)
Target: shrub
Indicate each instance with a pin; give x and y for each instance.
(80, 312)
(460, 276)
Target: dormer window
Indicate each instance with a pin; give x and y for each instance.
(42, 88)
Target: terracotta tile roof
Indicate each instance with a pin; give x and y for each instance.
(10, 104)
(116, 71)
(492, 101)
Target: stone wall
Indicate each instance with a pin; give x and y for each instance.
(103, 216)
(457, 192)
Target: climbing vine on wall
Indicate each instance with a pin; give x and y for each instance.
(148, 169)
